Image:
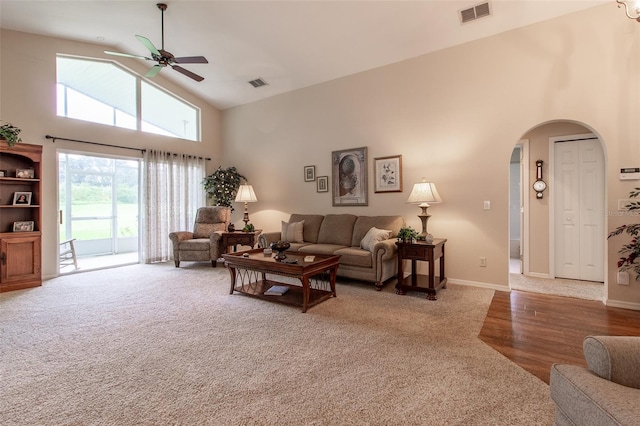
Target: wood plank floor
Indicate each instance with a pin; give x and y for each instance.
(536, 330)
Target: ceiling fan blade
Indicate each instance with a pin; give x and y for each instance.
(153, 71)
(188, 73)
(191, 60)
(127, 55)
(147, 43)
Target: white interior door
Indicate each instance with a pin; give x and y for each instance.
(579, 209)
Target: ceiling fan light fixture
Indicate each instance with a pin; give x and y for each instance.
(162, 57)
(631, 8)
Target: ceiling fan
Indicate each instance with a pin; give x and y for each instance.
(164, 58)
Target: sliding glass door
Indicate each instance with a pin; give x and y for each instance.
(99, 208)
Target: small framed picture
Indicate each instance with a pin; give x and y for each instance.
(3, 173)
(322, 185)
(388, 174)
(26, 226)
(309, 173)
(25, 173)
(20, 198)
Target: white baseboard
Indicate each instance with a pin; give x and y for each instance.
(539, 275)
(622, 304)
(489, 286)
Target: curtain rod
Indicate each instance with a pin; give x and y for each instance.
(54, 138)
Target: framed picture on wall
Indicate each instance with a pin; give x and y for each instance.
(349, 177)
(322, 185)
(387, 172)
(309, 173)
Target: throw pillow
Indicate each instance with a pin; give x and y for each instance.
(292, 232)
(374, 236)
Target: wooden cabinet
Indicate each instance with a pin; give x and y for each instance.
(20, 221)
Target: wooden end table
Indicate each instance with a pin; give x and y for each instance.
(421, 251)
(317, 277)
(235, 238)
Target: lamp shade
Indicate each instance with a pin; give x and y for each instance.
(246, 194)
(424, 192)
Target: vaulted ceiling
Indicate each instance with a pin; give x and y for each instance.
(290, 44)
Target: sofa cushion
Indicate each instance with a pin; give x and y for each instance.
(321, 248)
(199, 244)
(338, 229)
(374, 236)
(311, 227)
(364, 223)
(292, 232)
(203, 230)
(355, 256)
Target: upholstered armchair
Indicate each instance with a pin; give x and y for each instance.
(607, 392)
(203, 244)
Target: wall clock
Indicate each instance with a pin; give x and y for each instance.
(539, 185)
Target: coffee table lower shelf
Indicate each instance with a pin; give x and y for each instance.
(293, 297)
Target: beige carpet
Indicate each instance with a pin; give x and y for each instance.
(588, 290)
(156, 345)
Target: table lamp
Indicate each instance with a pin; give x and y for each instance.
(422, 194)
(246, 195)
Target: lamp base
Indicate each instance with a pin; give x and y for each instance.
(424, 235)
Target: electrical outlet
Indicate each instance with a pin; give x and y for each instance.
(483, 262)
(623, 278)
(487, 205)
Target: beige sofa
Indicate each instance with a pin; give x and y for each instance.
(605, 393)
(342, 234)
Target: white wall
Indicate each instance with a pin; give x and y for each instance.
(28, 100)
(454, 116)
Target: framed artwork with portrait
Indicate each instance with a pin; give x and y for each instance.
(388, 174)
(20, 198)
(349, 177)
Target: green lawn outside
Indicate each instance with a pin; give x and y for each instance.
(101, 228)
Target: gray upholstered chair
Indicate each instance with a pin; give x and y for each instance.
(203, 244)
(607, 392)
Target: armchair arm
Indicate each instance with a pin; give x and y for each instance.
(176, 237)
(385, 250)
(215, 240)
(266, 238)
(615, 358)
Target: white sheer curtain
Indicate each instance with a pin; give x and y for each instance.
(172, 193)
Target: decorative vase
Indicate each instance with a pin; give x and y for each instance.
(280, 247)
(231, 227)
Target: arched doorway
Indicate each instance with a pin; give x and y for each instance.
(544, 242)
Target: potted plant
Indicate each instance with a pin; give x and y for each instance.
(221, 186)
(631, 251)
(249, 228)
(10, 133)
(407, 234)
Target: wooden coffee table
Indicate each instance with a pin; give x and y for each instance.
(317, 277)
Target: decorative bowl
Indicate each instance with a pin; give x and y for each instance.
(280, 247)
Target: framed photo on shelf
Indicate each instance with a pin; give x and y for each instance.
(309, 173)
(3, 173)
(349, 177)
(25, 173)
(21, 198)
(322, 184)
(26, 226)
(388, 174)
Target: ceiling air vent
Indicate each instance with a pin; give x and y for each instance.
(476, 12)
(258, 82)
